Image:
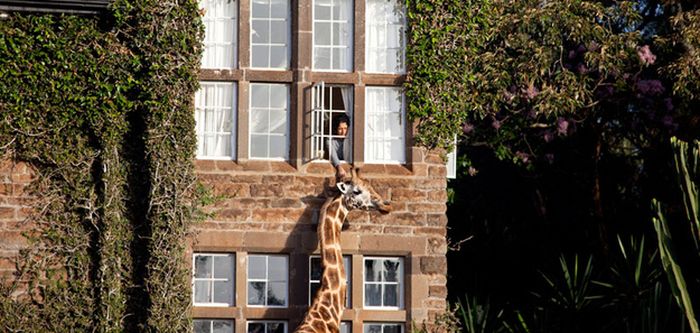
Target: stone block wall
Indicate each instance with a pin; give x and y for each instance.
(271, 207)
(15, 205)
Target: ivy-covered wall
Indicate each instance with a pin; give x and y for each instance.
(101, 107)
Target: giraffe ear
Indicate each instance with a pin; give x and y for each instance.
(342, 187)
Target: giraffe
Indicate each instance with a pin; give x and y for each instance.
(327, 307)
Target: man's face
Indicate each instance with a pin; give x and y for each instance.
(342, 129)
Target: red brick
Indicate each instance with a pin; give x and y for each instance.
(405, 194)
(266, 190)
(232, 214)
(435, 303)
(437, 220)
(320, 168)
(248, 203)
(438, 183)
(12, 240)
(259, 166)
(8, 213)
(227, 166)
(255, 179)
(372, 169)
(278, 180)
(433, 265)
(231, 190)
(434, 158)
(427, 207)
(439, 196)
(409, 218)
(437, 171)
(397, 170)
(437, 245)
(282, 167)
(392, 230)
(431, 231)
(419, 170)
(286, 203)
(277, 215)
(205, 165)
(437, 291)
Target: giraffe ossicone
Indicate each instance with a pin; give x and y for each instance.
(327, 308)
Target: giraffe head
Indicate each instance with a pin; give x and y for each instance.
(358, 194)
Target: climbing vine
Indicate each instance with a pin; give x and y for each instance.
(101, 107)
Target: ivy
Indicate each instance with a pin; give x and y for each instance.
(101, 107)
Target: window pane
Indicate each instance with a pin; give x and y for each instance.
(280, 9)
(341, 35)
(341, 59)
(201, 292)
(278, 122)
(278, 57)
(258, 146)
(260, 55)
(278, 96)
(313, 289)
(372, 328)
(322, 34)
(391, 295)
(256, 267)
(316, 269)
(223, 267)
(256, 293)
(385, 36)
(345, 327)
(392, 329)
(279, 147)
(278, 268)
(202, 266)
(260, 8)
(322, 9)
(277, 293)
(201, 326)
(220, 33)
(260, 32)
(259, 120)
(223, 292)
(256, 328)
(372, 270)
(322, 58)
(223, 326)
(278, 31)
(373, 295)
(260, 93)
(342, 9)
(275, 328)
(391, 270)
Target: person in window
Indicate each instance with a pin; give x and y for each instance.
(336, 145)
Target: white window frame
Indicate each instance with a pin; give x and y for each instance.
(451, 163)
(347, 261)
(402, 119)
(233, 43)
(212, 279)
(402, 58)
(320, 133)
(400, 283)
(350, 22)
(211, 323)
(234, 120)
(268, 134)
(383, 324)
(287, 46)
(267, 280)
(266, 322)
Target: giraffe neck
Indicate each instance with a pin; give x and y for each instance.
(329, 302)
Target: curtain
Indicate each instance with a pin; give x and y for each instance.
(347, 102)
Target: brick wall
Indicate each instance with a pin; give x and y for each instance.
(14, 206)
(271, 207)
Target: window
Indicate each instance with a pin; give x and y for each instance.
(385, 36)
(316, 271)
(220, 33)
(216, 119)
(333, 35)
(213, 326)
(269, 121)
(267, 280)
(383, 328)
(213, 279)
(267, 327)
(269, 34)
(384, 125)
(383, 279)
(345, 327)
(330, 104)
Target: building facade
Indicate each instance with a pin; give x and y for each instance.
(276, 78)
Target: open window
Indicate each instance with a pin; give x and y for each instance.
(331, 105)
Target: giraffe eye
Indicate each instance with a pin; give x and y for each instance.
(356, 191)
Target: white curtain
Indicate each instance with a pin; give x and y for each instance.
(347, 144)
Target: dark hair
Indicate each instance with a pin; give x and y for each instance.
(343, 119)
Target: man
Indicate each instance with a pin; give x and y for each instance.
(336, 146)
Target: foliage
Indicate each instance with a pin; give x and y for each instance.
(477, 317)
(518, 77)
(101, 108)
(687, 169)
